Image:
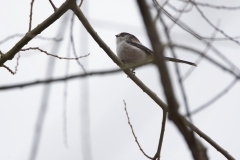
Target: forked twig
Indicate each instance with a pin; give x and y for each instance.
(16, 67)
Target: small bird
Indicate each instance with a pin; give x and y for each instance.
(131, 50)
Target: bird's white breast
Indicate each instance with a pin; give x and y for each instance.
(130, 54)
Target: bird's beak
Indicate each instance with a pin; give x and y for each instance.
(117, 35)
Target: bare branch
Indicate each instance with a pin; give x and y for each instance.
(215, 98)
(179, 16)
(80, 3)
(54, 7)
(16, 67)
(8, 69)
(37, 48)
(135, 137)
(207, 58)
(184, 77)
(30, 16)
(213, 6)
(184, 10)
(208, 139)
(178, 23)
(211, 24)
(22, 35)
(64, 78)
(73, 44)
(151, 94)
(157, 155)
(46, 23)
(177, 70)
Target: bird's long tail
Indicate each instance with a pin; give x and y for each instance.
(179, 61)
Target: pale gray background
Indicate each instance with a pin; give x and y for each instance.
(111, 137)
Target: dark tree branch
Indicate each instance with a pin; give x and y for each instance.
(197, 149)
(177, 70)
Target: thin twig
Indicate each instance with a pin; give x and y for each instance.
(209, 44)
(215, 98)
(135, 137)
(64, 78)
(30, 16)
(16, 67)
(73, 44)
(157, 155)
(207, 58)
(4, 66)
(37, 48)
(184, 10)
(54, 7)
(80, 3)
(213, 6)
(22, 35)
(37, 30)
(211, 24)
(178, 22)
(179, 16)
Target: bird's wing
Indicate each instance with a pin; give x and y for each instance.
(136, 43)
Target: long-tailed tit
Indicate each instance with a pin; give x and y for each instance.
(131, 50)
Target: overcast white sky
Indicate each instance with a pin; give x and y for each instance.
(110, 135)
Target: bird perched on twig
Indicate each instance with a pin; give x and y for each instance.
(131, 50)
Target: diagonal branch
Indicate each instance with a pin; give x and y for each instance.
(45, 24)
(151, 94)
